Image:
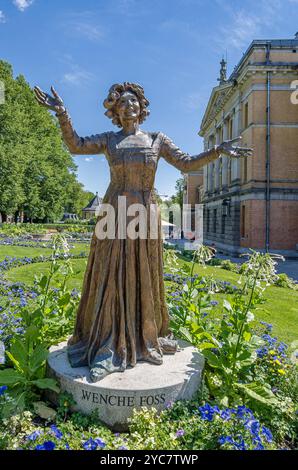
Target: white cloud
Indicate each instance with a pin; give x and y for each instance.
(2, 17)
(88, 30)
(193, 101)
(83, 24)
(22, 4)
(77, 77)
(89, 159)
(246, 26)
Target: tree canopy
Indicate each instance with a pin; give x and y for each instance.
(37, 172)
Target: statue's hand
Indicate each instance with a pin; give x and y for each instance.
(227, 148)
(54, 103)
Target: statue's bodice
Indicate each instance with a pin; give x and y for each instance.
(133, 160)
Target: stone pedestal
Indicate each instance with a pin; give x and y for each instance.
(146, 385)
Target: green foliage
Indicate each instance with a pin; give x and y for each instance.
(27, 357)
(241, 369)
(229, 266)
(55, 308)
(283, 280)
(37, 172)
(230, 345)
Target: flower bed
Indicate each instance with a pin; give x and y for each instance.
(248, 399)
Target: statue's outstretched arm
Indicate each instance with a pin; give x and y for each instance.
(92, 145)
(186, 163)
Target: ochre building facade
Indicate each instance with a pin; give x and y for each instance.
(253, 202)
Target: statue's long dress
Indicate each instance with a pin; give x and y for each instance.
(122, 313)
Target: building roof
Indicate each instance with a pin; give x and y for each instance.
(273, 43)
(93, 204)
(221, 92)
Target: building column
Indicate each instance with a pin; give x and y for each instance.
(237, 122)
(210, 177)
(216, 163)
(225, 159)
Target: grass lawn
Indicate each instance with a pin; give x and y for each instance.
(281, 308)
(22, 251)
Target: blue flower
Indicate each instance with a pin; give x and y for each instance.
(242, 412)
(3, 390)
(253, 426)
(262, 352)
(57, 433)
(207, 412)
(223, 439)
(92, 444)
(34, 435)
(47, 445)
(240, 445)
(225, 415)
(259, 446)
(267, 434)
(268, 326)
(282, 347)
(180, 433)
(100, 443)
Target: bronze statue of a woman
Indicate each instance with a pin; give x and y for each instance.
(122, 317)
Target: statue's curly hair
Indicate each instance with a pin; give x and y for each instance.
(116, 91)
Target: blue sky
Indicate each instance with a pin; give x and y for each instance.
(171, 47)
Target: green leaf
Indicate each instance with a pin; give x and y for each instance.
(186, 334)
(64, 300)
(38, 357)
(44, 384)
(11, 377)
(16, 404)
(258, 392)
(32, 333)
(203, 346)
(246, 336)
(14, 361)
(43, 281)
(19, 352)
(212, 359)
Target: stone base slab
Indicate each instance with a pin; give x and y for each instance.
(116, 395)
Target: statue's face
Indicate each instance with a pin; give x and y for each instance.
(128, 107)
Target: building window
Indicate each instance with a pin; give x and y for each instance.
(220, 173)
(214, 220)
(231, 128)
(229, 171)
(245, 162)
(223, 224)
(208, 220)
(243, 227)
(212, 177)
(245, 117)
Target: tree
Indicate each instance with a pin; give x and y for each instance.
(178, 197)
(37, 172)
